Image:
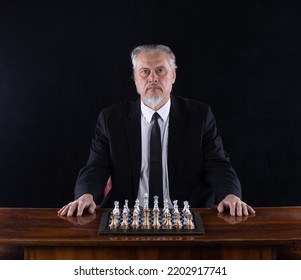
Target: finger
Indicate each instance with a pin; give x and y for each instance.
(92, 208)
(232, 207)
(220, 207)
(80, 208)
(239, 210)
(63, 211)
(72, 207)
(251, 210)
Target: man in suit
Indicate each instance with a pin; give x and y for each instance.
(195, 167)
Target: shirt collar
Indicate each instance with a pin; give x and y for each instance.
(148, 112)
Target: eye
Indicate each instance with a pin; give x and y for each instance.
(144, 72)
(161, 71)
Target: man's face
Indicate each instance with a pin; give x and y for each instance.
(154, 78)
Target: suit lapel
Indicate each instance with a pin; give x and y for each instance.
(133, 130)
(177, 120)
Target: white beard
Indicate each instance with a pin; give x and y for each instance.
(153, 101)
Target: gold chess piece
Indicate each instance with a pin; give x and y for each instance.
(189, 224)
(156, 223)
(135, 223)
(168, 223)
(114, 222)
(124, 223)
(146, 224)
(178, 223)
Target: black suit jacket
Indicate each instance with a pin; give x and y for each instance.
(199, 170)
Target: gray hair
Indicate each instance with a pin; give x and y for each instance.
(154, 48)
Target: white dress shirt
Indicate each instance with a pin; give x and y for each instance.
(146, 125)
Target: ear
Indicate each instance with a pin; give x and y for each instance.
(174, 76)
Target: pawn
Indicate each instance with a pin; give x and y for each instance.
(189, 223)
(126, 207)
(124, 223)
(135, 223)
(116, 210)
(114, 222)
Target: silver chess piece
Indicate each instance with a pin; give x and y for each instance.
(136, 207)
(156, 203)
(145, 201)
(165, 208)
(126, 207)
(116, 210)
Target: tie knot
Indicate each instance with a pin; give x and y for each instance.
(155, 116)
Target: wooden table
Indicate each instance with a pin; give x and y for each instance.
(272, 233)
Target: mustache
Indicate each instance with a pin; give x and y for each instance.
(154, 86)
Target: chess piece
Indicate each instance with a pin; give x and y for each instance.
(165, 208)
(114, 222)
(168, 223)
(146, 224)
(156, 223)
(135, 223)
(145, 201)
(189, 224)
(136, 207)
(175, 209)
(124, 223)
(116, 210)
(126, 207)
(178, 223)
(156, 203)
(185, 208)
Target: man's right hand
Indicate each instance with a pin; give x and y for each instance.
(78, 206)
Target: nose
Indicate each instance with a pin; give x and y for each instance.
(153, 77)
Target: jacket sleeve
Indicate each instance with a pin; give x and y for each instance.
(94, 175)
(219, 172)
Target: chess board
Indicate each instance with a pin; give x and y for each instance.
(106, 221)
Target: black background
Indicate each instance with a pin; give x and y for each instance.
(62, 61)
